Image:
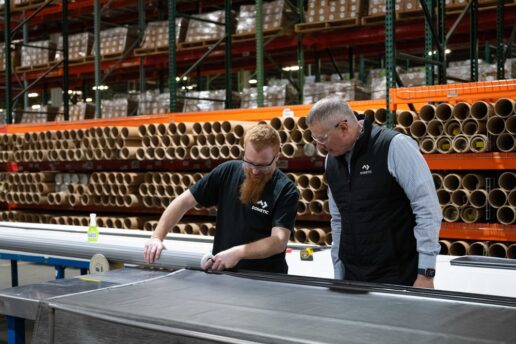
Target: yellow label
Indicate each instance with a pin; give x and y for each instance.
(93, 234)
(479, 144)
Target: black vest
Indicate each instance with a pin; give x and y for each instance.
(377, 241)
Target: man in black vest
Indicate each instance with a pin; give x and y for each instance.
(385, 212)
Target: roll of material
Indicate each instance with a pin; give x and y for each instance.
(60, 245)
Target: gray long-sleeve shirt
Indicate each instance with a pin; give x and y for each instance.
(407, 165)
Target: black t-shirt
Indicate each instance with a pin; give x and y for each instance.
(239, 224)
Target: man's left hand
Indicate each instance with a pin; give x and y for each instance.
(424, 282)
(225, 260)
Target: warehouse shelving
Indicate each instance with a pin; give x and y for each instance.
(478, 231)
(360, 40)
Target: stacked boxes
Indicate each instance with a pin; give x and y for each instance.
(42, 115)
(79, 45)
(39, 53)
(156, 34)
(329, 10)
(195, 105)
(118, 107)
(347, 89)
(273, 17)
(115, 41)
(77, 112)
(203, 31)
(272, 96)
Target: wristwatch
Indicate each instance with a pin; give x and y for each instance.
(430, 273)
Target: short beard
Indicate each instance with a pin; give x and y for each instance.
(252, 187)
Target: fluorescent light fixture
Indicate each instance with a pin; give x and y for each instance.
(101, 87)
(291, 68)
(36, 107)
(253, 81)
(33, 95)
(89, 100)
(447, 51)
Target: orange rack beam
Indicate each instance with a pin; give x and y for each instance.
(258, 114)
(472, 161)
(453, 93)
(478, 231)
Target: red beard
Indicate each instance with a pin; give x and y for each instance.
(252, 187)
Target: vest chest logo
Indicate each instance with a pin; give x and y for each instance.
(262, 209)
(366, 169)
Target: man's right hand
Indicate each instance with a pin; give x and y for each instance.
(153, 248)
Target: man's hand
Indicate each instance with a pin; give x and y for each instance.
(424, 282)
(225, 260)
(153, 248)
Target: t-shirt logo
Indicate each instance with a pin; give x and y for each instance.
(366, 169)
(263, 205)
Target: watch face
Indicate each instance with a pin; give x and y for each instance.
(430, 273)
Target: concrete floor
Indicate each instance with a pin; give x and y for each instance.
(27, 274)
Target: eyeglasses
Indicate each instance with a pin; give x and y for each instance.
(259, 167)
(322, 140)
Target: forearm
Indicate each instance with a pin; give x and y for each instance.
(172, 214)
(262, 248)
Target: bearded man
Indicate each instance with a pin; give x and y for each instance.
(256, 208)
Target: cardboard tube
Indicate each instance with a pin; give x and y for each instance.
(461, 144)
(301, 235)
(292, 150)
(459, 198)
(452, 182)
(427, 145)
(452, 127)
(497, 198)
(459, 248)
(444, 197)
(435, 128)
(304, 180)
(507, 181)
(128, 153)
(289, 123)
(302, 207)
(296, 136)
(170, 153)
(510, 125)
(443, 112)
(472, 127)
(204, 152)
(406, 118)
(473, 181)
(159, 153)
(225, 152)
(496, 125)
(316, 207)
(511, 251)
(478, 248)
(277, 123)
(418, 129)
(316, 236)
(451, 213)
(478, 198)
(438, 180)
(506, 215)
(187, 140)
(130, 201)
(504, 107)
(498, 250)
(482, 110)
(427, 112)
(231, 139)
(214, 153)
(140, 154)
(506, 142)
(401, 129)
(479, 144)
(380, 116)
(445, 247)
(236, 152)
(472, 215)
(316, 182)
(195, 152)
(328, 239)
(192, 228)
(185, 128)
(461, 111)
(444, 145)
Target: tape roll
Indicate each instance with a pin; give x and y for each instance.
(205, 259)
